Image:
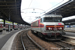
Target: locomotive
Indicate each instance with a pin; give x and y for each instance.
(49, 27)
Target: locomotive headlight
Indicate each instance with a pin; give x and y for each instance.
(60, 28)
(49, 28)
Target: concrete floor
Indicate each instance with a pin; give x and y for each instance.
(4, 37)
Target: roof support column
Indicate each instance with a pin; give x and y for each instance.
(4, 28)
(9, 28)
(4, 22)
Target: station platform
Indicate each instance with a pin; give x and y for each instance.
(6, 40)
(70, 29)
(4, 37)
(70, 33)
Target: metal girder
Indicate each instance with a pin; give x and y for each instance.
(7, 2)
(67, 9)
(11, 8)
(8, 5)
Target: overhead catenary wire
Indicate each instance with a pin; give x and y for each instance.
(53, 7)
(30, 3)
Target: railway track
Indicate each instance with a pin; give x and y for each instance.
(25, 42)
(64, 46)
(28, 43)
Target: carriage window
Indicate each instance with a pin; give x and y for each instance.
(2, 25)
(52, 19)
(35, 24)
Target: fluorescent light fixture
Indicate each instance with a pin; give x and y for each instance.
(68, 18)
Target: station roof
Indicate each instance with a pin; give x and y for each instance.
(71, 22)
(67, 9)
(10, 10)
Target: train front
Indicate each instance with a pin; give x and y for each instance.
(53, 27)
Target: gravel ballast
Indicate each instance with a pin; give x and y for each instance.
(44, 44)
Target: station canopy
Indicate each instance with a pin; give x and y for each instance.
(67, 9)
(10, 10)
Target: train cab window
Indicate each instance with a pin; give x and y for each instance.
(52, 19)
(48, 19)
(57, 19)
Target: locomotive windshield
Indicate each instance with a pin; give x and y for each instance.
(52, 19)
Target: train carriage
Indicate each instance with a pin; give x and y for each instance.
(1, 26)
(49, 26)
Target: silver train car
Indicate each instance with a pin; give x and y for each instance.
(49, 27)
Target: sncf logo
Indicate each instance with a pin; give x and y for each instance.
(59, 24)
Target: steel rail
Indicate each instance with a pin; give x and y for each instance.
(35, 43)
(23, 42)
(66, 46)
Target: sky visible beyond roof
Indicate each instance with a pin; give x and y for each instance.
(30, 9)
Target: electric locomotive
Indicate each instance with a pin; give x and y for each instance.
(49, 27)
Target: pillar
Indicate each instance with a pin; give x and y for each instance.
(4, 29)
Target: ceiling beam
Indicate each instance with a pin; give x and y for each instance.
(8, 5)
(10, 8)
(8, 1)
